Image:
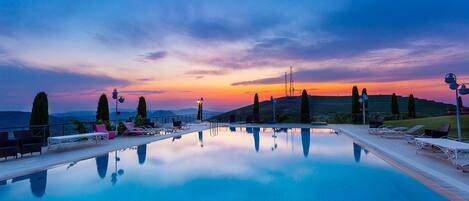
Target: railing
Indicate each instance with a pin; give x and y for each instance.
(70, 127)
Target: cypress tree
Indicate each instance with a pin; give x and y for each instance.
(355, 105)
(411, 107)
(142, 107)
(40, 116)
(255, 110)
(394, 105)
(102, 113)
(305, 118)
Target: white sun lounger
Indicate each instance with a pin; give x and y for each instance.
(60, 141)
(455, 151)
(395, 132)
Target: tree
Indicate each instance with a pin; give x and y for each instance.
(411, 107)
(305, 118)
(39, 121)
(102, 113)
(255, 110)
(355, 105)
(142, 107)
(394, 105)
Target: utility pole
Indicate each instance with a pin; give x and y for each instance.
(291, 81)
(286, 93)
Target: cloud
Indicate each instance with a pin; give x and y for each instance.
(142, 92)
(349, 75)
(216, 29)
(207, 72)
(19, 80)
(153, 56)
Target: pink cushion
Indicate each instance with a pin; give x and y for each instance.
(102, 128)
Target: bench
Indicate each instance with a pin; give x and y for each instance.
(60, 141)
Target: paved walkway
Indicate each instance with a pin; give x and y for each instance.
(30, 164)
(433, 170)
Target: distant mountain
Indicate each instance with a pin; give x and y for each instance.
(327, 108)
(126, 113)
(193, 111)
(21, 119)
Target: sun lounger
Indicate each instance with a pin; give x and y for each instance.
(454, 150)
(377, 123)
(102, 128)
(442, 132)
(399, 132)
(60, 141)
(130, 129)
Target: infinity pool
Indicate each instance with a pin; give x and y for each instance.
(226, 164)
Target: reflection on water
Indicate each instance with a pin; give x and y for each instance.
(181, 170)
(357, 150)
(256, 138)
(142, 154)
(37, 182)
(305, 140)
(117, 172)
(101, 165)
(201, 138)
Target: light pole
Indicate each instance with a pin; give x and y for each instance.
(363, 100)
(274, 101)
(119, 99)
(200, 102)
(451, 80)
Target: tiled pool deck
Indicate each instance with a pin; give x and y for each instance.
(429, 168)
(437, 173)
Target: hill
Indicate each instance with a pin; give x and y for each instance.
(332, 108)
(435, 123)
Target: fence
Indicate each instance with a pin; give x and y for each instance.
(74, 127)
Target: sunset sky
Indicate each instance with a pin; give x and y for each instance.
(173, 52)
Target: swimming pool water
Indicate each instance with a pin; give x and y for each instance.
(227, 164)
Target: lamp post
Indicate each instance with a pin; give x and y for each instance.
(451, 80)
(119, 99)
(200, 102)
(363, 100)
(274, 101)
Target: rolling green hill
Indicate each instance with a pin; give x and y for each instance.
(332, 108)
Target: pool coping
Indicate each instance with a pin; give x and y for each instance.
(434, 180)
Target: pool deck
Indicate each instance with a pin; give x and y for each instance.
(29, 164)
(430, 168)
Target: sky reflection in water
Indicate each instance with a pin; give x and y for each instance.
(227, 164)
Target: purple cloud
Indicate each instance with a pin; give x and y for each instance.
(142, 92)
(154, 56)
(346, 75)
(207, 72)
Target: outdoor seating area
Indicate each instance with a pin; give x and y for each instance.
(23, 143)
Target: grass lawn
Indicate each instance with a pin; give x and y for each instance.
(435, 122)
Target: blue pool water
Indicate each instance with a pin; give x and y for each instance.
(231, 164)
